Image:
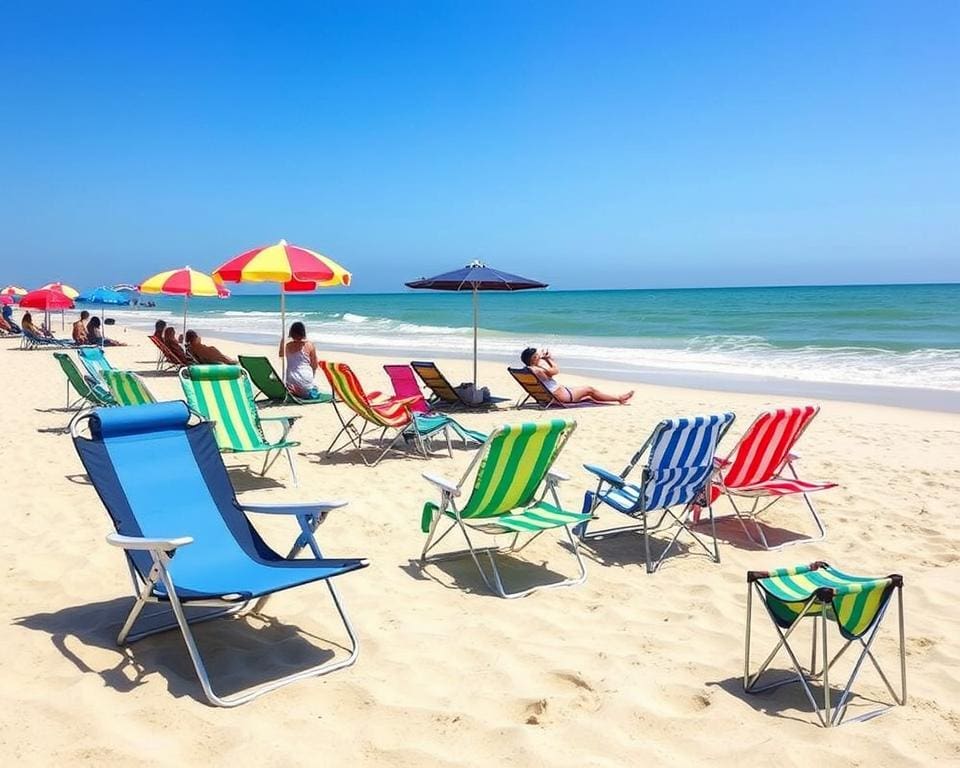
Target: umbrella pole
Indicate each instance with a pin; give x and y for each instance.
(475, 310)
(184, 315)
(283, 327)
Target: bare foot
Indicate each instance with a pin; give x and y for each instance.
(626, 397)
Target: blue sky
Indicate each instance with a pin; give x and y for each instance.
(585, 144)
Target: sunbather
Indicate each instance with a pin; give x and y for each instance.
(204, 353)
(159, 327)
(26, 322)
(301, 358)
(80, 328)
(170, 340)
(8, 318)
(5, 328)
(542, 365)
(95, 334)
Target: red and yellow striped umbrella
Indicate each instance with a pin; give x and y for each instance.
(13, 290)
(184, 282)
(66, 290)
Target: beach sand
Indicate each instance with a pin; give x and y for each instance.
(624, 668)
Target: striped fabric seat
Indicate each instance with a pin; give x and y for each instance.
(761, 465)
(88, 389)
(678, 470)
(95, 361)
(856, 604)
(127, 387)
(512, 478)
(222, 395)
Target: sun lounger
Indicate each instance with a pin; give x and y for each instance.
(760, 467)
(95, 362)
(512, 481)
(444, 395)
(265, 378)
(168, 359)
(128, 388)
(189, 542)
(30, 340)
(537, 394)
(676, 475)
(88, 391)
(222, 394)
(856, 604)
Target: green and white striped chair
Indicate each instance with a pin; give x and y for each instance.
(511, 467)
(222, 394)
(127, 387)
(856, 604)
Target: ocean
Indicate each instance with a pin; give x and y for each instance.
(887, 337)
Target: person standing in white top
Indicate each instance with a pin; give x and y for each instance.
(301, 357)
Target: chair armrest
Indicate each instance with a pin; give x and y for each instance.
(720, 463)
(609, 477)
(442, 483)
(289, 419)
(557, 475)
(143, 543)
(295, 508)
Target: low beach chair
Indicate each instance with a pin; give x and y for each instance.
(443, 393)
(677, 474)
(30, 340)
(88, 391)
(388, 416)
(222, 394)
(168, 359)
(95, 362)
(405, 386)
(756, 467)
(514, 462)
(856, 604)
(128, 388)
(537, 394)
(196, 549)
(265, 378)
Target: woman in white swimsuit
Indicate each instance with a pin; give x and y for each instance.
(542, 366)
(301, 358)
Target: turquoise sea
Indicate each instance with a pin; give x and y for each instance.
(885, 335)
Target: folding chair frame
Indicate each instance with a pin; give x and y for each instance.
(489, 526)
(817, 608)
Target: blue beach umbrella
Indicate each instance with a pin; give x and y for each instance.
(475, 277)
(103, 297)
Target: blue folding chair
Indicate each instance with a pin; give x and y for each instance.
(95, 362)
(187, 539)
(677, 473)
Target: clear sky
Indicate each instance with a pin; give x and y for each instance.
(593, 144)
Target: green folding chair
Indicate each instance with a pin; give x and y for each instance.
(222, 394)
(856, 604)
(127, 387)
(511, 466)
(88, 391)
(264, 377)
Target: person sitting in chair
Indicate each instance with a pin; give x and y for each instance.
(80, 328)
(171, 342)
(542, 365)
(204, 353)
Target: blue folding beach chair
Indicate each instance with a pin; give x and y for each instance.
(95, 362)
(677, 473)
(187, 539)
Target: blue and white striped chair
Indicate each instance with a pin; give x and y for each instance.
(677, 474)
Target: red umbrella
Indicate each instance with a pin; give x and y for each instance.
(46, 300)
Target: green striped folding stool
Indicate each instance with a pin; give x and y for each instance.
(222, 394)
(127, 387)
(513, 479)
(856, 604)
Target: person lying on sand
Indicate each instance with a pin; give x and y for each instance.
(542, 365)
(204, 353)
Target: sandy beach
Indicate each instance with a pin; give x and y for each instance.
(624, 668)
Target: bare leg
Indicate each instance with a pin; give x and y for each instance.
(577, 394)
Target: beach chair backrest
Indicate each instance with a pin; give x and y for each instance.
(514, 461)
(532, 385)
(222, 394)
(80, 384)
(346, 387)
(264, 376)
(765, 446)
(95, 361)
(127, 387)
(435, 381)
(405, 385)
(170, 355)
(680, 459)
(159, 476)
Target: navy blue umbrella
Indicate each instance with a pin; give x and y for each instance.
(476, 277)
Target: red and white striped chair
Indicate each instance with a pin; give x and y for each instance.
(760, 467)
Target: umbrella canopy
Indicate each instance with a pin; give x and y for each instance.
(66, 290)
(13, 290)
(46, 300)
(294, 268)
(476, 277)
(126, 288)
(103, 295)
(4, 299)
(184, 282)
